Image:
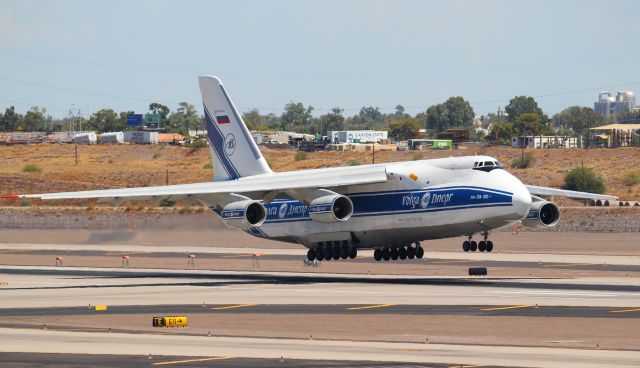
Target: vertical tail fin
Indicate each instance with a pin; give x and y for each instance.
(234, 153)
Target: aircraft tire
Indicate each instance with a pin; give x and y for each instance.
(489, 246)
(386, 254)
(402, 253)
(482, 245)
(377, 255)
(336, 256)
(411, 252)
(319, 254)
(327, 253)
(344, 252)
(474, 246)
(311, 254)
(466, 246)
(419, 252)
(353, 252)
(394, 253)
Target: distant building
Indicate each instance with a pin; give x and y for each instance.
(625, 101)
(357, 136)
(555, 141)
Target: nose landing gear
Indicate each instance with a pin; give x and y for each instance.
(483, 246)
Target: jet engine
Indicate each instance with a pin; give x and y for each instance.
(244, 214)
(331, 208)
(542, 214)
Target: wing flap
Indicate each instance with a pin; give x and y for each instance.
(545, 191)
(316, 178)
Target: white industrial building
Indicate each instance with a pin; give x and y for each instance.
(544, 141)
(356, 136)
(607, 105)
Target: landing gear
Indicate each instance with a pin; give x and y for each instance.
(332, 250)
(483, 246)
(399, 252)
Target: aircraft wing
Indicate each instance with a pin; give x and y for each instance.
(544, 191)
(258, 185)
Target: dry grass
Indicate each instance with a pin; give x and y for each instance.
(111, 166)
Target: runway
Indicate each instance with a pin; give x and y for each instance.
(32, 360)
(36, 286)
(132, 344)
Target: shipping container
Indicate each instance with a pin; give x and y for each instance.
(141, 137)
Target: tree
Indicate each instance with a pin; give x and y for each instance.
(107, 120)
(10, 120)
(522, 105)
(577, 118)
(158, 108)
(528, 122)
(295, 116)
(584, 179)
(333, 120)
(367, 118)
(405, 128)
(500, 133)
(453, 113)
(34, 119)
(400, 114)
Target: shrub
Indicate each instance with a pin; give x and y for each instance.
(301, 155)
(200, 143)
(207, 166)
(584, 179)
(523, 162)
(31, 168)
(354, 163)
(631, 178)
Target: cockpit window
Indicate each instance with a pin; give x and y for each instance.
(486, 165)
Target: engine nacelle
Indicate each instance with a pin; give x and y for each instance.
(331, 208)
(244, 214)
(542, 214)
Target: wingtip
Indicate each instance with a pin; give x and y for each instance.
(10, 197)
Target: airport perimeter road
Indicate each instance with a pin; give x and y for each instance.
(33, 287)
(44, 341)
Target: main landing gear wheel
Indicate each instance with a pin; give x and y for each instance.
(411, 252)
(399, 252)
(466, 245)
(311, 254)
(482, 245)
(319, 254)
(473, 246)
(353, 252)
(489, 246)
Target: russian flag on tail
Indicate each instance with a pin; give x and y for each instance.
(223, 119)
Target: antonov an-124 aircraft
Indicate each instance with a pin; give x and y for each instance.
(336, 211)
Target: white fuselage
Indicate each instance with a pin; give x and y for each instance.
(428, 199)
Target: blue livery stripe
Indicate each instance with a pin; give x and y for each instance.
(217, 141)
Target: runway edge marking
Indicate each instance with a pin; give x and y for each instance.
(372, 306)
(509, 307)
(192, 360)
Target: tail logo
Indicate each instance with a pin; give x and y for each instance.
(229, 144)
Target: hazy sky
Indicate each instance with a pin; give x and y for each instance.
(125, 54)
